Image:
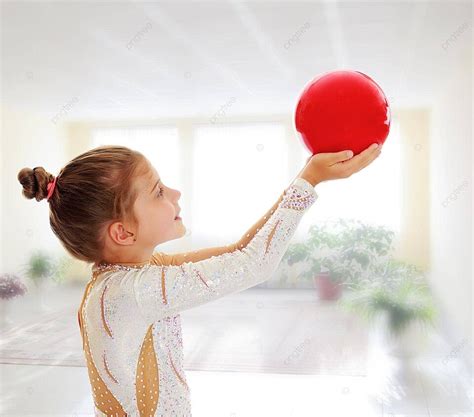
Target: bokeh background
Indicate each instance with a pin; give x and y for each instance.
(369, 312)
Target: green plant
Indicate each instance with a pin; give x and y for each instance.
(346, 248)
(62, 268)
(397, 289)
(40, 266)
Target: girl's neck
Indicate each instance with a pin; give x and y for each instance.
(128, 258)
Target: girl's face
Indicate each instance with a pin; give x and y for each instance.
(156, 208)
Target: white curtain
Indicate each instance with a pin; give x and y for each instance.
(239, 172)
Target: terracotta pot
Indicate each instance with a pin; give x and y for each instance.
(327, 289)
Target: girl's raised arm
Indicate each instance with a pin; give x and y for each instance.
(161, 258)
(173, 283)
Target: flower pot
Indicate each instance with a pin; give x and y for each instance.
(327, 289)
(4, 316)
(40, 296)
(406, 346)
(410, 343)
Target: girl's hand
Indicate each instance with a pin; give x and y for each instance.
(328, 166)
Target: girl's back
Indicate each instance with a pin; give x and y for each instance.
(135, 367)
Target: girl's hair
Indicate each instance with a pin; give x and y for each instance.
(92, 190)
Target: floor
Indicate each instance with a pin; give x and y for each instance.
(435, 384)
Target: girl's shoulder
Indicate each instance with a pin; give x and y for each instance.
(158, 258)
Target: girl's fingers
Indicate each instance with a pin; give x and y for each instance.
(379, 151)
(340, 156)
(363, 159)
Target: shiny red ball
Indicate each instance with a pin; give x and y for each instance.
(342, 110)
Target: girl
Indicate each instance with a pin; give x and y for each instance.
(109, 207)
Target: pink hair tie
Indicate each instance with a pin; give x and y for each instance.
(51, 187)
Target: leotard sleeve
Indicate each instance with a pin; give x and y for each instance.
(175, 282)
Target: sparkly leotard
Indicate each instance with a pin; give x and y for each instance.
(129, 315)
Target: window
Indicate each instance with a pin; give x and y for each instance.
(241, 169)
(231, 174)
(159, 144)
(372, 195)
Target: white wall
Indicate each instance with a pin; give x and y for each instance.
(2, 192)
(451, 204)
(26, 141)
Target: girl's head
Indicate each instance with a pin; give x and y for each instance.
(109, 203)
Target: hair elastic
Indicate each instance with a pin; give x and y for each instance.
(51, 187)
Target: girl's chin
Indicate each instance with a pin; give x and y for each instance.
(180, 224)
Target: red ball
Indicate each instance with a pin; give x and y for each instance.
(341, 110)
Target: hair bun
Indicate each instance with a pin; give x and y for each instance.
(35, 182)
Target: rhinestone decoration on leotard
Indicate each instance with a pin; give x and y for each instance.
(270, 236)
(102, 267)
(163, 286)
(181, 379)
(103, 313)
(298, 199)
(106, 367)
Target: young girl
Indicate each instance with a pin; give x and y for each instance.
(109, 207)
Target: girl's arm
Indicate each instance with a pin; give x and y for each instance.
(161, 258)
(161, 290)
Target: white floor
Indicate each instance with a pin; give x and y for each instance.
(434, 385)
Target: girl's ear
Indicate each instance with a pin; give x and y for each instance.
(120, 235)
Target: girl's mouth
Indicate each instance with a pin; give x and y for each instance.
(177, 218)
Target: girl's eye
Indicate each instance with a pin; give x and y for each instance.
(160, 194)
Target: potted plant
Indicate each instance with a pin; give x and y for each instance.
(10, 287)
(339, 253)
(313, 251)
(397, 298)
(39, 268)
(70, 270)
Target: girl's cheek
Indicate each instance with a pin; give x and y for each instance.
(171, 211)
(166, 213)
